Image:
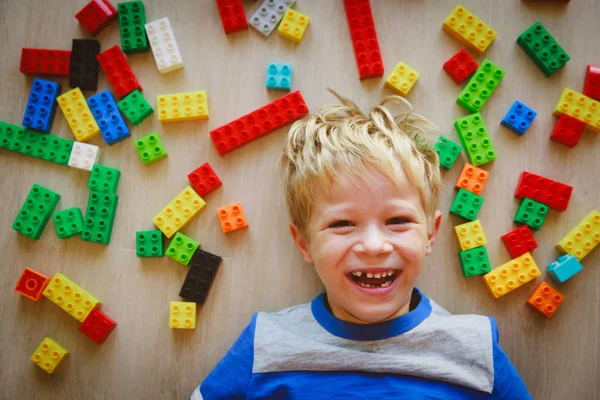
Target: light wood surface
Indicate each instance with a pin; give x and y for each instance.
(143, 358)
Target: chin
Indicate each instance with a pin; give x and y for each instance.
(373, 314)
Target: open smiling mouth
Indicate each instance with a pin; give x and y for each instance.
(378, 280)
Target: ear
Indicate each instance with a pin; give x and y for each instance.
(431, 236)
(301, 243)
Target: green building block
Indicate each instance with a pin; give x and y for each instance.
(531, 213)
(36, 211)
(475, 139)
(149, 244)
(68, 222)
(481, 86)
(99, 217)
(150, 148)
(132, 18)
(448, 151)
(104, 179)
(466, 205)
(134, 107)
(475, 261)
(543, 50)
(182, 248)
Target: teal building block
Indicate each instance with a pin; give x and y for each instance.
(531, 213)
(149, 244)
(466, 204)
(132, 18)
(182, 248)
(475, 261)
(36, 211)
(68, 222)
(99, 217)
(135, 107)
(481, 86)
(475, 139)
(543, 49)
(104, 179)
(448, 152)
(279, 76)
(150, 148)
(564, 268)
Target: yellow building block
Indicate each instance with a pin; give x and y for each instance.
(402, 78)
(511, 275)
(78, 115)
(580, 107)
(48, 355)
(468, 29)
(182, 315)
(179, 211)
(583, 238)
(293, 25)
(70, 297)
(470, 235)
(182, 106)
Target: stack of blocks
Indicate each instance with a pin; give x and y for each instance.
(473, 254)
(580, 107)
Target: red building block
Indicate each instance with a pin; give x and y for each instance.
(31, 284)
(258, 123)
(460, 66)
(554, 194)
(96, 15)
(232, 15)
(519, 241)
(204, 180)
(117, 69)
(45, 62)
(591, 86)
(546, 299)
(97, 326)
(567, 130)
(364, 38)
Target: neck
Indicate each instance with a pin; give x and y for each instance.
(344, 315)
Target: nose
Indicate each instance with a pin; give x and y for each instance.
(373, 242)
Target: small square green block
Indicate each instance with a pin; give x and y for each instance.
(99, 217)
(466, 205)
(475, 261)
(182, 248)
(448, 151)
(132, 18)
(36, 211)
(481, 86)
(475, 139)
(150, 148)
(134, 107)
(68, 222)
(149, 244)
(104, 179)
(531, 213)
(543, 49)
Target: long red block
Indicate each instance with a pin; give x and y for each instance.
(232, 15)
(204, 180)
(591, 86)
(547, 191)
(96, 15)
(117, 69)
(364, 38)
(97, 326)
(519, 241)
(460, 66)
(45, 62)
(32, 284)
(567, 130)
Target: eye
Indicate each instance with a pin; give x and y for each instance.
(397, 221)
(340, 224)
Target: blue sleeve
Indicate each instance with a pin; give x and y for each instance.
(507, 381)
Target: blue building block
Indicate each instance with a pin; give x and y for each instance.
(107, 114)
(279, 76)
(564, 268)
(519, 118)
(41, 106)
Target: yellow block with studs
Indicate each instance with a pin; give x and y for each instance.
(470, 235)
(293, 25)
(179, 212)
(182, 106)
(511, 275)
(70, 297)
(402, 78)
(583, 238)
(48, 355)
(463, 25)
(182, 315)
(78, 115)
(580, 107)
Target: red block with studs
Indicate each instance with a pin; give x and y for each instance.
(519, 241)
(472, 179)
(32, 284)
(546, 299)
(232, 15)
(97, 326)
(364, 38)
(460, 66)
(591, 86)
(204, 180)
(552, 193)
(96, 15)
(567, 130)
(232, 217)
(258, 123)
(45, 62)
(117, 69)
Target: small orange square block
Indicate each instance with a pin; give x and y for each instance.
(546, 299)
(472, 179)
(232, 217)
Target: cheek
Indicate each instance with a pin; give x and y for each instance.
(329, 252)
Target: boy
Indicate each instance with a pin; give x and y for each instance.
(362, 192)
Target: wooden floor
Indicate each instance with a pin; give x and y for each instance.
(143, 358)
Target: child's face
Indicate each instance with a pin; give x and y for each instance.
(374, 228)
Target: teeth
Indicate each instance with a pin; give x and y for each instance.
(377, 275)
(356, 273)
(386, 284)
(369, 275)
(384, 274)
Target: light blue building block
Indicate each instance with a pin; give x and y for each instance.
(519, 118)
(564, 268)
(279, 76)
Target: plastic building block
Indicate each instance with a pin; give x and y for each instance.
(99, 217)
(104, 179)
(475, 139)
(182, 248)
(178, 212)
(543, 50)
(268, 15)
(460, 66)
(546, 191)
(204, 180)
(117, 69)
(36, 211)
(468, 29)
(470, 235)
(567, 130)
(583, 238)
(258, 123)
(531, 213)
(402, 78)
(149, 244)
(279, 76)
(132, 18)
(580, 107)
(164, 46)
(364, 38)
(97, 326)
(84, 156)
(182, 315)
(182, 106)
(78, 115)
(481, 86)
(232, 15)
(135, 108)
(472, 179)
(202, 271)
(45, 62)
(150, 148)
(31, 284)
(96, 15)
(519, 241)
(511, 275)
(84, 68)
(70, 297)
(591, 85)
(448, 152)
(564, 268)
(293, 25)
(48, 355)
(466, 204)
(68, 222)
(232, 217)
(41, 105)
(111, 123)
(519, 118)
(546, 299)
(475, 261)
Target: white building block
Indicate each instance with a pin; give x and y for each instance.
(268, 15)
(84, 156)
(164, 46)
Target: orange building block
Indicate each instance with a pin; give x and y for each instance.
(546, 299)
(232, 217)
(472, 179)
(32, 284)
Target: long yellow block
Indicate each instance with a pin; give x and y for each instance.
(78, 115)
(70, 297)
(179, 212)
(468, 29)
(182, 106)
(511, 275)
(583, 238)
(580, 107)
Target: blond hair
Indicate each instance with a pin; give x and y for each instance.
(340, 139)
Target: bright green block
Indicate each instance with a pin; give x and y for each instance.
(182, 248)
(134, 107)
(466, 204)
(475, 139)
(132, 18)
(68, 222)
(475, 261)
(543, 49)
(481, 86)
(104, 179)
(531, 213)
(149, 244)
(36, 211)
(150, 148)
(448, 151)
(99, 217)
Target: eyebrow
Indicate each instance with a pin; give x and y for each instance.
(403, 205)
